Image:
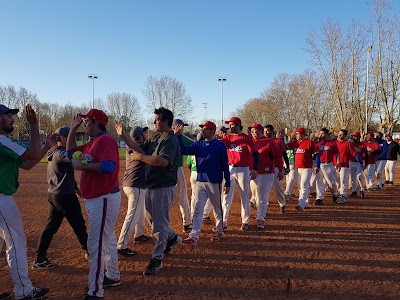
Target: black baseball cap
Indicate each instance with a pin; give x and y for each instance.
(5, 110)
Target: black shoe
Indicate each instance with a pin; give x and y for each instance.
(142, 239)
(42, 263)
(187, 228)
(313, 194)
(107, 282)
(391, 182)
(5, 296)
(334, 198)
(318, 202)
(353, 194)
(343, 200)
(283, 209)
(362, 194)
(88, 297)
(172, 243)
(37, 293)
(387, 182)
(154, 266)
(127, 252)
(207, 220)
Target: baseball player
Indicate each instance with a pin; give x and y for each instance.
(373, 150)
(357, 165)
(181, 186)
(327, 149)
(277, 184)
(292, 176)
(393, 152)
(241, 152)
(62, 198)
(13, 157)
(100, 189)
(270, 160)
(212, 166)
(381, 160)
(160, 154)
(305, 151)
(135, 189)
(346, 153)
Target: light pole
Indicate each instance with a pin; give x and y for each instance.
(93, 77)
(222, 79)
(369, 49)
(205, 110)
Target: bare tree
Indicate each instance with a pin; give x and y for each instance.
(125, 108)
(170, 93)
(386, 66)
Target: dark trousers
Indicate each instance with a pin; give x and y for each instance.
(61, 206)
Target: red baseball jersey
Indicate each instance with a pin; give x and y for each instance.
(372, 147)
(102, 148)
(240, 148)
(359, 148)
(346, 153)
(269, 154)
(327, 151)
(280, 144)
(303, 152)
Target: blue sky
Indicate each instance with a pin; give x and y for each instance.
(50, 47)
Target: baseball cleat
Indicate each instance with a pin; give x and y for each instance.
(37, 293)
(154, 266)
(189, 241)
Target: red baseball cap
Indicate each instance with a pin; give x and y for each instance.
(388, 135)
(234, 120)
(357, 134)
(210, 125)
(301, 130)
(257, 126)
(97, 115)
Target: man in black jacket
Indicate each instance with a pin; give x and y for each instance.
(393, 152)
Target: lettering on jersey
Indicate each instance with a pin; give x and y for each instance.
(298, 150)
(235, 148)
(326, 148)
(369, 149)
(88, 158)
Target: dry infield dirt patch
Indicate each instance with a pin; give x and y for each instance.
(349, 251)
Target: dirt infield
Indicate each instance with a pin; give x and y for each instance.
(349, 251)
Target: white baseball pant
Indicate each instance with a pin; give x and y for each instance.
(343, 175)
(291, 178)
(203, 192)
(313, 183)
(183, 197)
(135, 215)
(303, 184)
(102, 242)
(277, 187)
(240, 176)
(356, 175)
(389, 170)
(12, 231)
(369, 173)
(263, 184)
(379, 169)
(329, 173)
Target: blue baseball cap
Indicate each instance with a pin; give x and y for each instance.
(180, 122)
(137, 131)
(64, 131)
(5, 110)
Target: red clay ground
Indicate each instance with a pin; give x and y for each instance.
(349, 251)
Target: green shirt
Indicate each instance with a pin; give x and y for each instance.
(10, 153)
(191, 162)
(187, 142)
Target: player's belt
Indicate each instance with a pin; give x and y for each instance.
(235, 166)
(325, 162)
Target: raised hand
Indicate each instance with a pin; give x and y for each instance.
(31, 115)
(119, 128)
(51, 140)
(76, 122)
